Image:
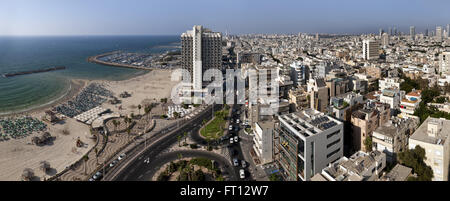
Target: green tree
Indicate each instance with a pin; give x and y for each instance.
(414, 158)
(368, 143)
(274, 177)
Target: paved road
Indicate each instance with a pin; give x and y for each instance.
(158, 146)
(142, 171)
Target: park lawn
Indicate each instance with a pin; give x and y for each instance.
(214, 129)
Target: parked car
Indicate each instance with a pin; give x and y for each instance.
(242, 173)
(236, 139)
(237, 121)
(113, 163)
(122, 156)
(230, 127)
(97, 176)
(231, 140)
(235, 162)
(244, 164)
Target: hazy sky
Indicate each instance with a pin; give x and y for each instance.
(172, 17)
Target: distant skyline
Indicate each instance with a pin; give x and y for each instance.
(173, 17)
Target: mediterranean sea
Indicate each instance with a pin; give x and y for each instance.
(23, 53)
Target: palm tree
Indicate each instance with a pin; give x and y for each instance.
(185, 136)
(139, 107)
(85, 159)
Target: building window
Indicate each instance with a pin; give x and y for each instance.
(333, 143)
(333, 134)
(334, 152)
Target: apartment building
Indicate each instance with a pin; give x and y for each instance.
(299, 73)
(375, 71)
(370, 49)
(434, 136)
(318, 91)
(411, 102)
(391, 137)
(337, 86)
(305, 142)
(263, 140)
(444, 62)
(393, 82)
(392, 97)
(366, 120)
(360, 166)
(298, 98)
(341, 105)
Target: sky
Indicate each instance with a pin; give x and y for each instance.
(173, 17)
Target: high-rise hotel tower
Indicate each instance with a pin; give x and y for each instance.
(201, 49)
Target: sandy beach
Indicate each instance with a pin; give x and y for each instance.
(18, 154)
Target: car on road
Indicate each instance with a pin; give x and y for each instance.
(242, 173)
(113, 163)
(235, 162)
(236, 139)
(97, 175)
(244, 164)
(122, 156)
(231, 140)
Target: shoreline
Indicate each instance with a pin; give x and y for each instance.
(75, 87)
(18, 154)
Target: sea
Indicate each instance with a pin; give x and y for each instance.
(22, 53)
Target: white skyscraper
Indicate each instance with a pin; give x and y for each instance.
(201, 50)
(439, 34)
(385, 40)
(370, 49)
(412, 32)
(448, 30)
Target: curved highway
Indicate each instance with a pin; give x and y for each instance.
(140, 170)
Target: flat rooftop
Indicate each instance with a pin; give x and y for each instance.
(309, 121)
(421, 133)
(398, 173)
(353, 168)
